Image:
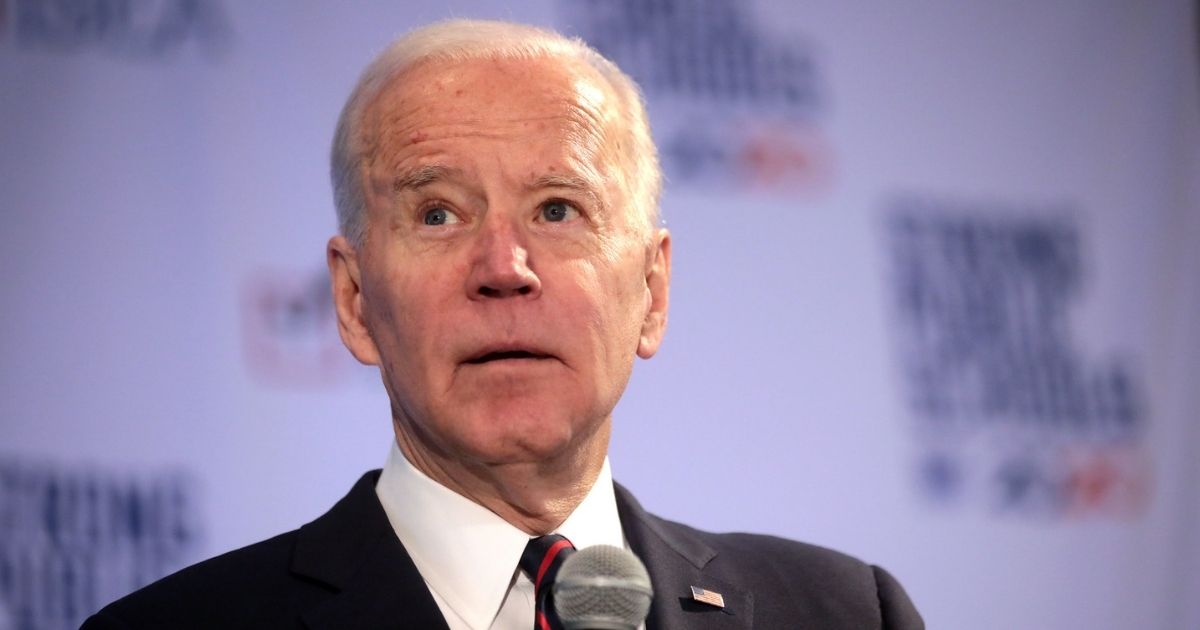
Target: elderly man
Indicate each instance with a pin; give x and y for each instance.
(500, 261)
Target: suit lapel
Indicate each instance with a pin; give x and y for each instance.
(677, 560)
(353, 549)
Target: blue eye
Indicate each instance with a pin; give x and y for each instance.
(439, 216)
(558, 211)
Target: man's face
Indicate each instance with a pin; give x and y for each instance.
(505, 283)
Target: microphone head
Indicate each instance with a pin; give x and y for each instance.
(602, 588)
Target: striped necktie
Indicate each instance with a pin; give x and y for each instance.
(542, 558)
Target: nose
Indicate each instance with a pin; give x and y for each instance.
(500, 268)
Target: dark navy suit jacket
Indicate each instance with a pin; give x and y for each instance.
(347, 570)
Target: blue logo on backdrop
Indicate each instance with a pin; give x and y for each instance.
(731, 106)
(72, 539)
(1010, 412)
(128, 28)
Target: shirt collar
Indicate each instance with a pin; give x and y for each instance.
(467, 554)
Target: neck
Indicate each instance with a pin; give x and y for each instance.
(535, 497)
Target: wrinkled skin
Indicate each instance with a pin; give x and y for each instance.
(505, 282)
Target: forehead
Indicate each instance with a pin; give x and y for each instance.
(515, 100)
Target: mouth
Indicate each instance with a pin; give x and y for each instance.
(506, 355)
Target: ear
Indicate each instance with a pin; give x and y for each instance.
(346, 282)
(658, 288)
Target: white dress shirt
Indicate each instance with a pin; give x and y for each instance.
(468, 555)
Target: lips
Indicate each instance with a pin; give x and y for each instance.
(506, 353)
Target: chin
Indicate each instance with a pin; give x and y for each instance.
(514, 434)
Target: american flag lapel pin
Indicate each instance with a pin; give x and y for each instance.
(705, 596)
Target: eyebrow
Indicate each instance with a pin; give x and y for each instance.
(570, 182)
(422, 176)
(430, 173)
(561, 181)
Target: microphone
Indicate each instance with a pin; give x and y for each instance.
(602, 588)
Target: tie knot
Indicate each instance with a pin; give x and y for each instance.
(542, 558)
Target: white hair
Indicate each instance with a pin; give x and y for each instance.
(465, 40)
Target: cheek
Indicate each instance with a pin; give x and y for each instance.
(614, 299)
(402, 314)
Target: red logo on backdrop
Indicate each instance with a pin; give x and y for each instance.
(787, 159)
(289, 330)
(1113, 481)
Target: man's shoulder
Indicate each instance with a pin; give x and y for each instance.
(786, 581)
(789, 575)
(754, 554)
(266, 584)
(739, 550)
(246, 587)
